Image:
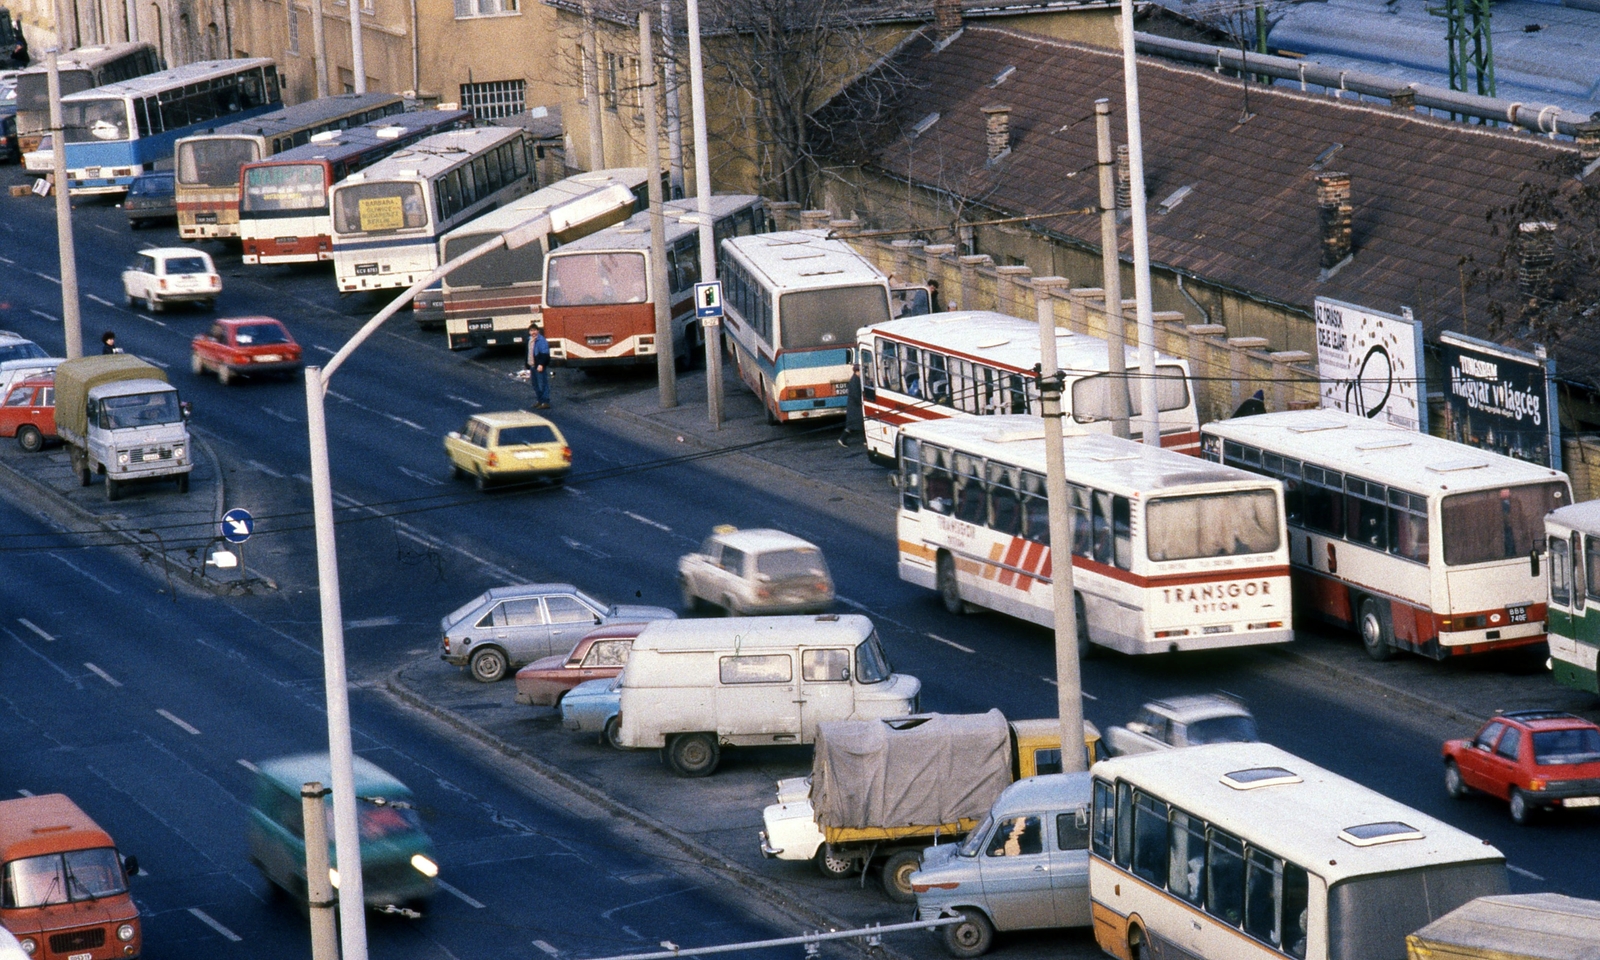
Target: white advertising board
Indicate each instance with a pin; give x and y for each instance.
(1370, 363)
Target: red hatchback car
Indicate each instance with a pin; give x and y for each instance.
(245, 346)
(1536, 759)
(28, 413)
(601, 653)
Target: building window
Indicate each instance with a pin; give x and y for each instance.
(294, 30)
(466, 9)
(494, 100)
(610, 80)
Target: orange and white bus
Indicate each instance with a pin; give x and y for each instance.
(974, 362)
(283, 202)
(65, 885)
(1417, 542)
(207, 164)
(599, 302)
(1169, 552)
(1243, 851)
(492, 300)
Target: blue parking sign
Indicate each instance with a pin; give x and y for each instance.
(708, 299)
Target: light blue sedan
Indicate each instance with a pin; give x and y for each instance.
(592, 707)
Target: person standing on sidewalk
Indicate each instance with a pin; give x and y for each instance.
(852, 406)
(539, 365)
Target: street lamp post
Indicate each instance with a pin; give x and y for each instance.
(1151, 415)
(702, 192)
(346, 837)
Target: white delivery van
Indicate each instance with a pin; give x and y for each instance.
(692, 686)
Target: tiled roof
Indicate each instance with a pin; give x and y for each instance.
(1421, 188)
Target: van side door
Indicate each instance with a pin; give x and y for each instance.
(757, 700)
(1069, 865)
(826, 692)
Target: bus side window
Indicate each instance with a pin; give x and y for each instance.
(1578, 591)
(1560, 573)
(1103, 823)
(1150, 839)
(1122, 532)
(1103, 549)
(1408, 526)
(1123, 851)
(865, 361)
(1081, 526)
(971, 499)
(1591, 556)
(1005, 508)
(1186, 861)
(911, 368)
(1323, 501)
(1366, 520)
(1035, 509)
(889, 366)
(910, 474)
(938, 486)
(1017, 388)
(1225, 878)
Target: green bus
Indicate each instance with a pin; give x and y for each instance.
(1573, 537)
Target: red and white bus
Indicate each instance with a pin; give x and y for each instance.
(283, 202)
(1169, 552)
(599, 309)
(978, 363)
(207, 165)
(492, 300)
(1417, 542)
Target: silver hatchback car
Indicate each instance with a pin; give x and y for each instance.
(507, 627)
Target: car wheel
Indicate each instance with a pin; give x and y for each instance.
(1453, 784)
(80, 466)
(950, 587)
(134, 224)
(1522, 811)
(612, 734)
(128, 298)
(480, 481)
(113, 488)
(694, 754)
(972, 937)
(1376, 635)
(488, 665)
(183, 483)
(224, 374)
(154, 304)
(691, 603)
(196, 365)
(29, 438)
(831, 864)
(456, 473)
(209, 305)
(897, 871)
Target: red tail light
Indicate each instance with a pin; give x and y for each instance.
(494, 459)
(566, 454)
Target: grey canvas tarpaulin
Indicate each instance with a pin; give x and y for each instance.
(1536, 926)
(911, 771)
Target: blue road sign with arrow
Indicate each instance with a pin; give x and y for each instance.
(237, 525)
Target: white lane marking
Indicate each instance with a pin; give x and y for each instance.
(1050, 680)
(205, 918)
(574, 491)
(30, 625)
(158, 363)
(102, 302)
(53, 665)
(659, 526)
(48, 316)
(475, 406)
(632, 932)
(46, 276)
(151, 319)
(25, 793)
(874, 614)
(101, 226)
(248, 766)
(950, 643)
(421, 477)
(447, 888)
(108, 678)
(178, 722)
(1524, 873)
(265, 469)
(281, 416)
(318, 346)
(1083, 693)
(585, 548)
(547, 948)
(638, 903)
(11, 263)
(403, 421)
(371, 622)
(83, 573)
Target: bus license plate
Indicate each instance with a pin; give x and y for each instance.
(1581, 802)
(287, 241)
(1517, 614)
(366, 269)
(479, 325)
(205, 218)
(91, 173)
(80, 956)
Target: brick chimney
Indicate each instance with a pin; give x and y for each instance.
(997, 130)
(946, 18)
(1404, 100)
(1124, 181)
(1536, 255)
(1587, 136)
(1333, 216)
(815, 219)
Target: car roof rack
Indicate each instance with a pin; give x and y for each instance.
(1530, 715)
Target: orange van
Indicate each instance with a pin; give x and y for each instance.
(63, 886)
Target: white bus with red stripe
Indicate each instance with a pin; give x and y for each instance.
(977, 363)
(1169, 552)
(1416, 542)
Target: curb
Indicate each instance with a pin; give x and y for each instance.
(776, 897)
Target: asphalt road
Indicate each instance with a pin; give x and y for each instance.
(414, 545)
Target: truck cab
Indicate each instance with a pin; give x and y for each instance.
(121, 418)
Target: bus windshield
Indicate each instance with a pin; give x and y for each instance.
(95, 121)
(1213, 525)
(215, 162)
(595, 278)
(63, 878)
(1501, 524)
(826, 318)
(289, 186)
(1370, 916)
(380, 207)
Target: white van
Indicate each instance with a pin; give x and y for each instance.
(692, 686)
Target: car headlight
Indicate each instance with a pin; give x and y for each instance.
(122, 458)
(333, 877)
(425, 866)
(125, 932)
(28, 945)
(177, 451)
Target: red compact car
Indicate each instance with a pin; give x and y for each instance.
(601, 653)
(245, 346)
(28, 412)
(1536, 759)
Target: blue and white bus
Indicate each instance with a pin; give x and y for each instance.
(118, 131)
(794, 301)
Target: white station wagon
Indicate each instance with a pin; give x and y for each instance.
(756, 572)
(163, 275)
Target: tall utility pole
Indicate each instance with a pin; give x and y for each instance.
(666, 349)
(1111, 271)
(319, 888)
(1069, 684)
(1149, 412)
(591, 89)
(702, 192)
(358, 62)
(319, 43)
(669, 67)
(71, 323)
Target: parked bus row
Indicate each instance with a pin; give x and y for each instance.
(84, 68)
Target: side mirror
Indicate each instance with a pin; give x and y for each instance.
(454, 434)
(1533, 561)
(185, 410)
(130, 864)
(598, 619)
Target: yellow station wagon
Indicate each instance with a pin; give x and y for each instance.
(512, 445)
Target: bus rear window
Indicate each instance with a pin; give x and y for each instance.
(1213, 525)
(95, 121)
(299, 186)
(379, 207)
(595, 278)
(829, 318)
(215, 163)
(1369, 916)
(498, 268)
(1501, 524)
(1091, 396)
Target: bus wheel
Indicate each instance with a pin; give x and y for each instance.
(972, 937)
(949, 587)
(1375, 632)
